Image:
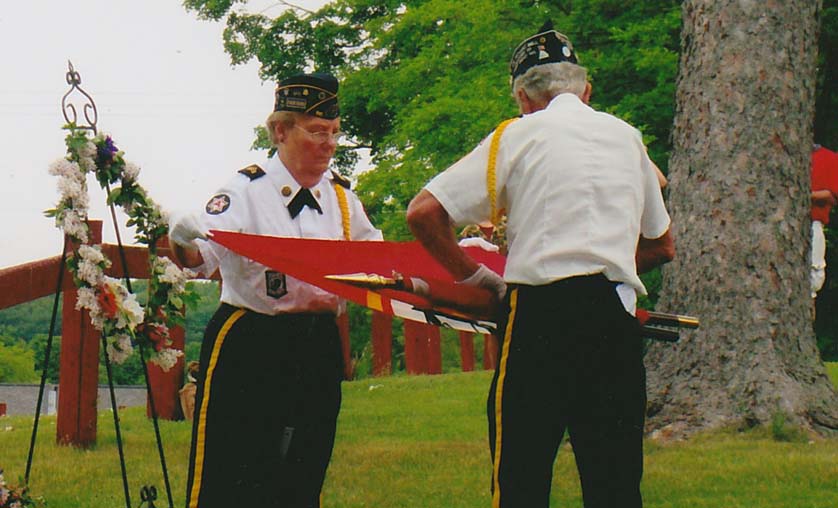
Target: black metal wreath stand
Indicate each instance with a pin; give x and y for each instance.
(148, 494)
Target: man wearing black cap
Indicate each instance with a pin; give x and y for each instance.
(584, 215)
(271, 365)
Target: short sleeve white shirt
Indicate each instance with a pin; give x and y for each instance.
(578, 189)
(259, 206)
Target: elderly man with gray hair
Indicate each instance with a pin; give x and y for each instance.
(585, 215)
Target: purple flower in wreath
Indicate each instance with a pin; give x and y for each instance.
(106, 150)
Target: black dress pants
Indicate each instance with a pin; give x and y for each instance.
(570, 358)
(265, 411)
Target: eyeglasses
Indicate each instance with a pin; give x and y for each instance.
(322, 136)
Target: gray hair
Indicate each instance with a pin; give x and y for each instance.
(286, 118)
(543, 82)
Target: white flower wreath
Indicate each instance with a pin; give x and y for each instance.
(113, 310)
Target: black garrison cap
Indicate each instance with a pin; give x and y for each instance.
(547, 46)
(313, 94)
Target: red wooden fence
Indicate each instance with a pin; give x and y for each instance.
(80, 342)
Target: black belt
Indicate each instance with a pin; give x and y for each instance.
(297, 318)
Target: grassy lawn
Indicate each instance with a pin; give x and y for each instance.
(421, 442)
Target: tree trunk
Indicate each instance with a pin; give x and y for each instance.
(739, 201)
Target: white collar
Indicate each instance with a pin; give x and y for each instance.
(566, 98)
(285, 183)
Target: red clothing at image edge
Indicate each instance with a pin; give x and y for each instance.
(824, 176)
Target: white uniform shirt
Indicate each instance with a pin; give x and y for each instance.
(578, 189)
(259, 206)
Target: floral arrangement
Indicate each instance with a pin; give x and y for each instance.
(16, 497)
(113, 310)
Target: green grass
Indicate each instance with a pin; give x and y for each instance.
(421, 442)
(832, 370)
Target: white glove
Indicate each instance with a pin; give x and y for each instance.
(476, 241)
(185, 228)
(485, 278)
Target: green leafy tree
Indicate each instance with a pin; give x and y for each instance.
(128, 373)
(424, 81)
(197, 317)
(29, 319)
(38, 344)
(16, 361)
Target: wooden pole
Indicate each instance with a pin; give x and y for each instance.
(422, 354)
(434, 351)
(490, 352)
(78, 378)
(467, 351)
(165, 386)
(382, 344)
(415, 352)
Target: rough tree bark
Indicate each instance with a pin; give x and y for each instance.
(739, 201)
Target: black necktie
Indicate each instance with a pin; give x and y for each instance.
(303, 198)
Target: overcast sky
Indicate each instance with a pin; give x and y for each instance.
(165, 92)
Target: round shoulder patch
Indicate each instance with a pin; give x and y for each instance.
(218, 204)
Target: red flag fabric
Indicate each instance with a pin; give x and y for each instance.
(311, 260)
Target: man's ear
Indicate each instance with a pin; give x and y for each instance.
(586, 95)
(279, 132)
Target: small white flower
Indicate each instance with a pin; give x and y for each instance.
(66, 169)
(70, 188)
(87, 164)
(82, 201)
(93, 253)
(88, 150)
(172, 274)
(73, 226)
(86, 299)
(90, 272)
(131, 172)
(97, 319)
(120, 348)
(166, 358)
(130, 311)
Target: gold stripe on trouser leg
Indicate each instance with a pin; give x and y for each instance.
(507, 338)
(202, 413)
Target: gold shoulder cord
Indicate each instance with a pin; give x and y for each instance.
(491, 178)
(344, 211)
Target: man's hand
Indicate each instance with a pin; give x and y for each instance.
(654, 252)
(476, 241)
(487, 279)
(185, 228)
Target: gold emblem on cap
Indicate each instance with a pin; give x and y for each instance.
(317, 193)
(305, 91)
(286, 191)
